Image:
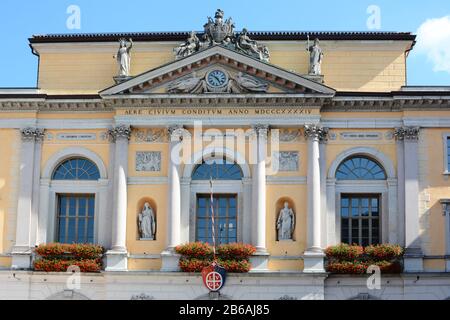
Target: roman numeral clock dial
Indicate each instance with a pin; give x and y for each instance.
(217, 78)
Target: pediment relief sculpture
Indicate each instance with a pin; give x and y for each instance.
(220, 32)
(218, 81)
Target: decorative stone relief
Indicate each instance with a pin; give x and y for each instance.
(147, 223)
(150, 135)
(220, 32)
(217, 81)
(285, 223)
(287, 160)
(289, 135)
(148, 161)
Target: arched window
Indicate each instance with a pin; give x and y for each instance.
(360, 168)
(76, 169)
(217, 169)
(76, 211)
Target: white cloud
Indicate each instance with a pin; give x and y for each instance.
(433, 40)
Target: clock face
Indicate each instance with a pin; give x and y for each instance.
(217, 78)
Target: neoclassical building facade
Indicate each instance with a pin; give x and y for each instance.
(327, 135)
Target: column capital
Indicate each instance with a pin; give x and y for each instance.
(316, 132)
(176, 132)
(261, 129)
(122, 131)
(32, 134)
(407, 133)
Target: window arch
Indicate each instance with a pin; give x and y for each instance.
(217, 169)
(360, 168)
(76, 169)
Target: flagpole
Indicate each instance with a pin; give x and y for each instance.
(213, 227)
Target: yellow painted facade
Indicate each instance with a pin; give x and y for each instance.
(378, 67)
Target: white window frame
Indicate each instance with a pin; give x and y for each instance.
(49, 190)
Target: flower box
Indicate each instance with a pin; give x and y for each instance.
(58, 257)
(384, 252)
(197, 255)
(353, 259)
(344, 252)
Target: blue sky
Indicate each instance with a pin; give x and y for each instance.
(20, 19)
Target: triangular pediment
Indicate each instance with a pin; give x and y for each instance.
(243, 74)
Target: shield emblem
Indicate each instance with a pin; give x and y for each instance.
(219, 32)
(214, 277)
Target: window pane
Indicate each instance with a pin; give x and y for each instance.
(79, 228)
(344, 212)
(217, 170)
(360, 168)
(76, 169)
(225, 220)
(344, 202)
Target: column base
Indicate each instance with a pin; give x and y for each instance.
(260, 261)
(313, 261)
(169, 261)
(116, 261)
(413, 260)
(21, 259)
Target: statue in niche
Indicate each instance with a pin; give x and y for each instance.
(147, 223)
(315, 58)
(191, 45)
(285, 223)
(123, 57)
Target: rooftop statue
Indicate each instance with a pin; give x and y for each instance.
(123, 57)
(220, 32)
(315, 57)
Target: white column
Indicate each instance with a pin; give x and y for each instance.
(21, 251)
(401, 192)
(169, 258)
(413, 255)
(117, 256)
(446, 212)
(323, 194)
(36, 187)
(313, 257)
(247, 209)
(260, 259)
(261, 190)
(185, 209)
(393, 213)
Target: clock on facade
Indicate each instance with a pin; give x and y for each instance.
(217, 78)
